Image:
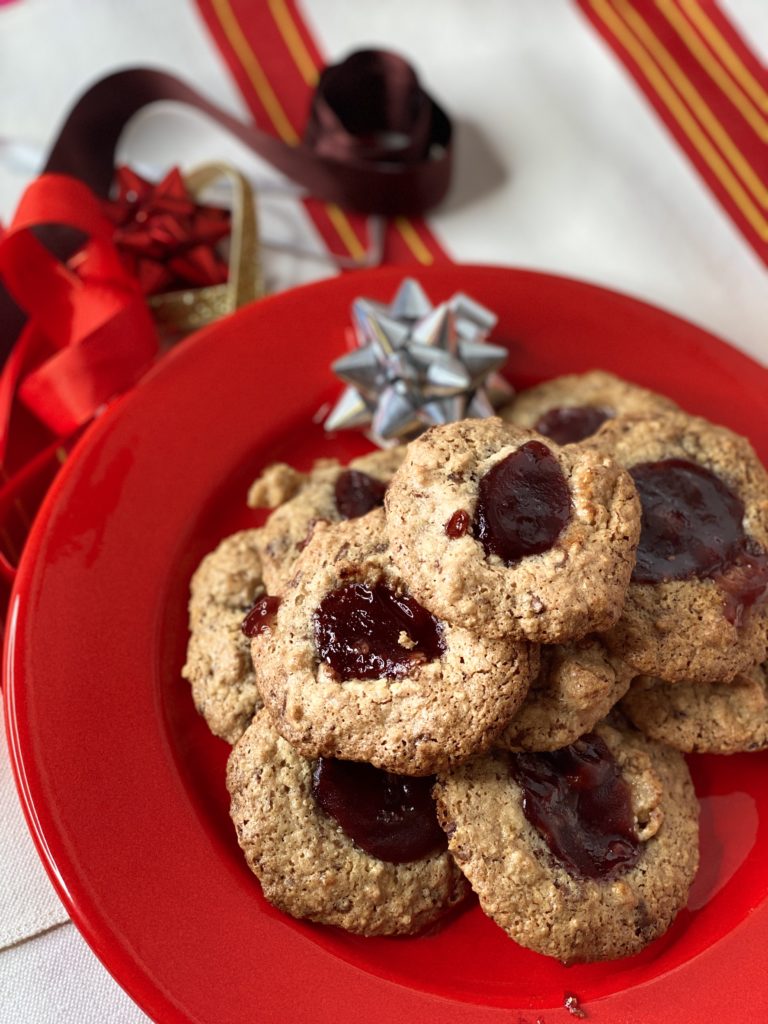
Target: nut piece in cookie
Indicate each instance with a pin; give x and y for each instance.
(219, 667)
(509, 535)
(695, 610)
(568, 409)
(714, 718)
(586, 853)
(577, 685)
(329, 493)
(308, 863)
(353, 667)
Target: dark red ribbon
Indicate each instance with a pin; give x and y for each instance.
(357, 104)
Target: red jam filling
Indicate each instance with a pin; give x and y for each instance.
(570, 423)
(523, 504)
(458, 524)
(372, 632)
(691, 524)
(357, 493)
(391, 817)
(260, 618)
(693, 527)
(744, 583)
(581, 805)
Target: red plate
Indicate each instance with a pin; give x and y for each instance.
(124, 787)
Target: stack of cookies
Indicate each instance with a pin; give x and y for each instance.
(472, 663)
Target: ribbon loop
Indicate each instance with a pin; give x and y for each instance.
(70, 304)
(371, 108)
(344, 158)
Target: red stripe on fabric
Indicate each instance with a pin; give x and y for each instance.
(318, 212)
(396, 250)
(287, 85)
(237, 70)
(736, 41)
(720, 180)
(305, 33)
(265, 40)
(720, 104)
(424, 233)
(267, 43)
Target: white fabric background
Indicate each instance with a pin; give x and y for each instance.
(27, 903)
(561, 165)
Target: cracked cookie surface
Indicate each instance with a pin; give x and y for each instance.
(218, 665)
(435, 709)
(537, 900)
(705, 718)
(680, 629)
(577, 685)
(574, 587)
(308, 866)
(301, 500)
(572, 407)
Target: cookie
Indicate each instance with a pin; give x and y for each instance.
(330, 493)
(695, 610)
(218, 664)
(350, 666)
(572, 887)
(568, 409)
(577, 685)
(309, 866)
(497, 530)
(719, 718)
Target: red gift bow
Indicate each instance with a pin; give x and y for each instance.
(89, 334)
(165, 239)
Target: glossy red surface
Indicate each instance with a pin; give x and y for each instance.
(124, 787)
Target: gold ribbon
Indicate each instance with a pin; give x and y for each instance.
(188, 309)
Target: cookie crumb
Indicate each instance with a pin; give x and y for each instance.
(405, 641)
(277, 484)
(573, 1006)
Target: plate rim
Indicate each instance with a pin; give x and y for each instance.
(127, 973)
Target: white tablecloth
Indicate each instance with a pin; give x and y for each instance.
(560, 165)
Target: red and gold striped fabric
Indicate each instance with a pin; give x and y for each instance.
(710, 90)
(275, 62)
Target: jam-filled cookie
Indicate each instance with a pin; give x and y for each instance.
(695, 610)
(573, 407)
(218, 665)
(577, 685)
(719, 718)
(337, 842)
(497, 529)
(585, 853)
(350, 665)
(329, 493)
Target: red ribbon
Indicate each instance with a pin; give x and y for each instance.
(89, 334)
